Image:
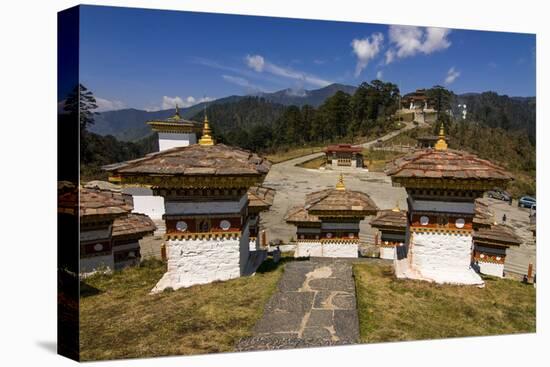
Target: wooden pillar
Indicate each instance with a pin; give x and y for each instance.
(264, 239)
(163, 252)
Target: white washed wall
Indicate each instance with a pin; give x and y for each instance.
(444, 258)
(173, 140)
(305, 249)
(153, 206)
(340, 250)
(192, 262)
(318, 249)
(387, 253)
(493, 269)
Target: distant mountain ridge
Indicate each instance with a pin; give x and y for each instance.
(130, 124)
(510, 113)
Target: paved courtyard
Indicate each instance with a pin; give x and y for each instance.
(314, 305)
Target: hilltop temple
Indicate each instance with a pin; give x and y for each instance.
(205, 190)
(328, 224)
(442, 187)
(392, 225)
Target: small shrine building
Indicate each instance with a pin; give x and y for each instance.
(260, 198)
(328, 224)
(344, 155)
(392, 226)
(127, 231)
(109, 234)
(442, 186)
(205, 190)
(491, 241)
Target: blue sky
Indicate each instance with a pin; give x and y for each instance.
(152, 59)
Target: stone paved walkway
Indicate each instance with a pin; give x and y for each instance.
(314, 305)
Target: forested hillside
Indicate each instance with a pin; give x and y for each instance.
(342, 116)
(498, 111)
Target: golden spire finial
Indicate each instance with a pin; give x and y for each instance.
(206, 138)
(340, 184)
(177, 110)
(396, 209)
(441, 142)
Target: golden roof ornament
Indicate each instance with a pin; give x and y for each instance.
(206, 138)
(340, 184)
(441, 144)
(396, 209)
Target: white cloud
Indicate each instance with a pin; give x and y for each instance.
(366, 49)
(108, 105)
(408, 41)
(259, 64)
(452, 74)
(243, 83)
(255, 62)
(170, 102)
(390, 56)
(379, 75)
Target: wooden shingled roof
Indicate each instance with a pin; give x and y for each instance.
(390, 219)
(497, 234)
(260, 196)
(133, 224)
(299, 214)
(445, 164)
(343, 148)
(94, 202)
(334, 200)
(483, 217)
(195, 160)
(102, 202)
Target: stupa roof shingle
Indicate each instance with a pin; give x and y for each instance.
(331, 200)
(497, 234)
(446, 164)
(299, 214)
(260, 196)
(92, 202)
(195, 160)
(134, 223)
(390, 218)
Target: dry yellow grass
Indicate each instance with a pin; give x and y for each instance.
(314, 163)
(395, 310)
(376, 160)
(119, 319)
(292, 153)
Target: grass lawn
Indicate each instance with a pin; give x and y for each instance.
(119, 319)
(395, 310)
